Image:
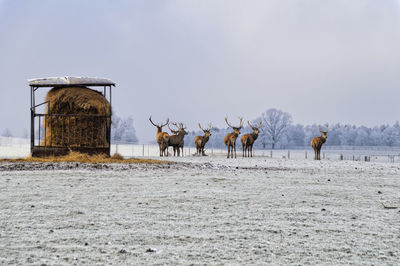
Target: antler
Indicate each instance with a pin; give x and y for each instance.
(176, 125)
(210, 127)
(319, 127)
(254, 127)
(182, 126)
(166, 123)
(152, 122)
(201, 127)
(226, 120)
(248, 122)
(173, 131)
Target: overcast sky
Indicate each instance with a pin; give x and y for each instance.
(198, 61)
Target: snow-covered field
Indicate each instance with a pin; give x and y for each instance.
(202, 210)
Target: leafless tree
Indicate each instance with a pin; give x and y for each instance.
(274, 125)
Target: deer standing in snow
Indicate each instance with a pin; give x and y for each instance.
(316, 143)
(249, 139)
(161, 137)
(230, 138)
(176, 139)
(200, 141)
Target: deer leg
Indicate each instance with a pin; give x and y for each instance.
(228, 151)
(234, 147)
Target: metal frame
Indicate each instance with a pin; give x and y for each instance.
(39, 149)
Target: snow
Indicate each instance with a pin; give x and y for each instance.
(202, 210)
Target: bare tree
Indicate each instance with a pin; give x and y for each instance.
(274, 125)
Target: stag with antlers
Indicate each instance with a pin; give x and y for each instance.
(317, 142)
(249, 139)
(200, 141)
(162, 137)
(176, 139)
(230, 138)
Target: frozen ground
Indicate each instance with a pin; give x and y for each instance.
(206, 210)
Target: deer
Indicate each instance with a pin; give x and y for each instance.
(316, 143)
(230, 138)
(161, 137)
(176, 139)
(200, 141)
(249, 139)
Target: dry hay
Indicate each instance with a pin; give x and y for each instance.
(89, 129)
(85, 158)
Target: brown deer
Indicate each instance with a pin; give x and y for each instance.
(162, 137)
(176, 139)
(317, 142)
(249, 139)
(200, 141)
(230, 138)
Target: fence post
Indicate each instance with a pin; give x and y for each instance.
(271, 153)
(143, 151)
(288, 155)
(306, 155)
(116, 148)
(341, 157)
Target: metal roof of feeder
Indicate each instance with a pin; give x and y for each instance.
(69, 81)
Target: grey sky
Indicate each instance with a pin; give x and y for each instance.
(198, 61)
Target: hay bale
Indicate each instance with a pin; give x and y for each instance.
(89, 124)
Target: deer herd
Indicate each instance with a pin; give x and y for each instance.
(176, 139)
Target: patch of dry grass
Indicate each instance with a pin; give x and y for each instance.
(85, 158)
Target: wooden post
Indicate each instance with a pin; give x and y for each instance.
(271, 153)
(288, 155)
(341, 157)
(143, 151)
(306, 155)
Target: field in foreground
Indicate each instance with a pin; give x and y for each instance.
(200, 211)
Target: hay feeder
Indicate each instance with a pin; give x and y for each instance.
(76, 115)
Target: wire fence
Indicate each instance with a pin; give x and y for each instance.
(19, 148)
